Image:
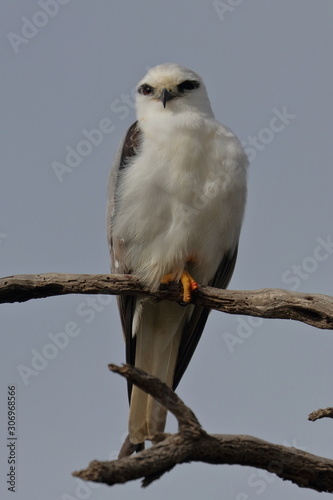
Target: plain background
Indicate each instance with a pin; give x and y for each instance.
(80, 67)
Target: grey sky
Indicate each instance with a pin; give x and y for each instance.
(75, 73)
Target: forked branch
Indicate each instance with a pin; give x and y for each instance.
(192, 443)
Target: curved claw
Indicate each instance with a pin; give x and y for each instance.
(189, 285)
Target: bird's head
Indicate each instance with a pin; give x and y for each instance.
(171, 88)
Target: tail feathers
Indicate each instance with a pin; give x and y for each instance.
(158, 337)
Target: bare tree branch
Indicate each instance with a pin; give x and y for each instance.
(192, 443)
(313, 309)
(321, 413)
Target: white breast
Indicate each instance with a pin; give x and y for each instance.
(183, 197)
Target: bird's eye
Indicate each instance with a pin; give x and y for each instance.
(145, 89)
(188, 85)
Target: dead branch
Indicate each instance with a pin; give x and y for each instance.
(163, 395)
(192, 443)
(313, 309)
(321, 413)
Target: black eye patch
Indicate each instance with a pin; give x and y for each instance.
(188, 85)
(145, 89)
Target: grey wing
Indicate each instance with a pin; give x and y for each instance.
(194, 328)
(128, 148)
(126, 304)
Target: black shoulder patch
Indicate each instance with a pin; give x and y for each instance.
(131, 144)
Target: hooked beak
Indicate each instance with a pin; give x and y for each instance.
(165, 96)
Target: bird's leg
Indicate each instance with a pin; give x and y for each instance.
(189, 284)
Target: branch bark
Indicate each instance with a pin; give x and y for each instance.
(321, 413)
(192, 443)
(313, 309)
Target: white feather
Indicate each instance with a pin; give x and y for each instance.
(182, 197)
(158, 335)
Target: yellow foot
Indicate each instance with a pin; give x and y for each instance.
(189, 284)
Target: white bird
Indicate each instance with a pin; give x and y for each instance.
(176, 199)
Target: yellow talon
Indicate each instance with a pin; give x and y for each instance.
(189, 284)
